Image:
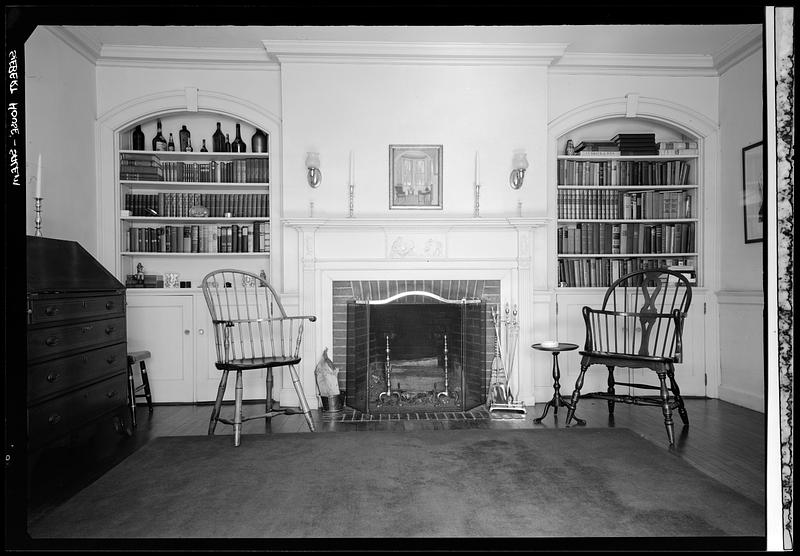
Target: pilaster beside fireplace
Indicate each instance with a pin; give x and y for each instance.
(349, 259)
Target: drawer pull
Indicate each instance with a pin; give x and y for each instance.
(50, 310)
(110, 360)
(54, 419)
(111, 394)
(86, 329)
(52, 377)
(51, 341)
(110, 305)
(110, 329)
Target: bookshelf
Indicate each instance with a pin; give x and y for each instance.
(192, 212)
(622, 208)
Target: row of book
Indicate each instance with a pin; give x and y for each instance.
(623, 172)
(199, 238)
(247, 205)
(591, 273)
(613, 239)
(614, 204)
(149, 167)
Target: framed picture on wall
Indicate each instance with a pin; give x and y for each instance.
(753, 190)
(415, 176)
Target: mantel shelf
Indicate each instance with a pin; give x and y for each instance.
(416, 222)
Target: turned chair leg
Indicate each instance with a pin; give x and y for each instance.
(270, 382)
(610, 390)
(666, 409)
(237, 415)
(677, 393)
(298, 387)
(223, 382)
(576, 394)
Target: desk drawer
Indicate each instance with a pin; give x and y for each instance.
(57, 417)
(46, 342)
(61, 309)
(49, 378)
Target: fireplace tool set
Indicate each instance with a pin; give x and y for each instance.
(501, 399)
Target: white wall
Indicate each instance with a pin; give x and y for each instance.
(59, 123)
(741, 300)
(335, 108)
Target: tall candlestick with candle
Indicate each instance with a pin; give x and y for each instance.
(477, 210)
(37, 207)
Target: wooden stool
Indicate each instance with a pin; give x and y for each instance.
(133, 357)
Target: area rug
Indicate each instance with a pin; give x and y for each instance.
(419, 484)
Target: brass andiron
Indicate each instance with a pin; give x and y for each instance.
(388, 393)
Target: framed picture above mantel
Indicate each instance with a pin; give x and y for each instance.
(753, 191)
(415, 176)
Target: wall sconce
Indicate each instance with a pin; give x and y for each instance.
(520, 164)
(314, 173)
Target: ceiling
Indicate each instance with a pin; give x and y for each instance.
(708, 40)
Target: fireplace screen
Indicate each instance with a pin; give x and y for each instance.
(415, 352)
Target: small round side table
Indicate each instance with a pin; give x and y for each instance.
(557, 400)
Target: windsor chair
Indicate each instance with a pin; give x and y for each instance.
(640, 326)
(252, 332)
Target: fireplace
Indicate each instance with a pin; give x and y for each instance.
(415, 350)
(374, 258)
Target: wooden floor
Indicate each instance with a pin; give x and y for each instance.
(723, 440)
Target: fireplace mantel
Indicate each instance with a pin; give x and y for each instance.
(510, 250)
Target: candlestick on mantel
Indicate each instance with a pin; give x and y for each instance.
(477, 210)
(352, 168)
(350, 209)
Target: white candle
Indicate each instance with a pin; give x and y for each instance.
(477, 168)
(352, 168)
(39, 177)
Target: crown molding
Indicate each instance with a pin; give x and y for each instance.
(636, 64)
(77, 39)
(376, 52)
(199, 58)
(737, 49)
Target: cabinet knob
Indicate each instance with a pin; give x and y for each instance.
(110, 305)
(54, 419)
(85, 329)
(187, 332)
(201, 331)
(52, 377)
(110, 329)
(51, 341)
(50, 310)
(111, 394)
(111, 359)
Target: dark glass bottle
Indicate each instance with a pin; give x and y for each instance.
(218, 140)
(259, 142)
(138, 139)
(159, 143)
(203, 149)
(171, 144)
(238, 146)
(227, 143)
(184, 137)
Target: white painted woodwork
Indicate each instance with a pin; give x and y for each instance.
(164, 325)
